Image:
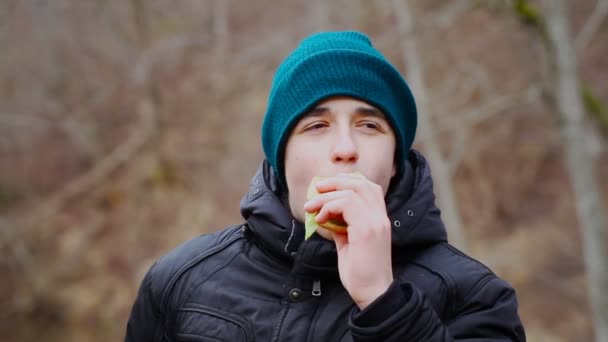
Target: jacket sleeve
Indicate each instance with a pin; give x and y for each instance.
(145, 322)
(404, 314)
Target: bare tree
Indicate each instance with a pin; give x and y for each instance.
(592, 25)
(579, 160)
(441, 168)
(221, 31)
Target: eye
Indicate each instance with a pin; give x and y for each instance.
(314, 126)
(370, 125)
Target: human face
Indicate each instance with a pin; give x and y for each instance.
(339, 135)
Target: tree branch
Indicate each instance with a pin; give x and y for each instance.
(590, 28)
(415, 67)
(446, 15)
(484, 111)
(221, 30)
(459, 148)
(100, 171)
(20, 254)
(146, 111)
(488, 109)
(579, 162)
(24, 120)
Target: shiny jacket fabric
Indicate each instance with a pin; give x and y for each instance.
(259, 281)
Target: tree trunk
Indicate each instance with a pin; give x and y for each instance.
(580, 163)
(441, 172)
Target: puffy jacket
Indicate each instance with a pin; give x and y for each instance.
(259, 281)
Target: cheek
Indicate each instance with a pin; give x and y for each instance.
(297, 187)
(382, 177)
(387, 181)
(305, 157)
(384, 166)
(299, 166)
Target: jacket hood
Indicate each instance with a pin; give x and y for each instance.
(410, 202)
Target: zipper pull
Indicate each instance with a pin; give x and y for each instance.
(316, 288)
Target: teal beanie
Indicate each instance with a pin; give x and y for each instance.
(331, 64)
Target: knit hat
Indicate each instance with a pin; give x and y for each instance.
(331, 64)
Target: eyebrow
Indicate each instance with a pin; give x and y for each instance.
(366, 111)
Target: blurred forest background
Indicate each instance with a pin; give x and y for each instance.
(127, 127)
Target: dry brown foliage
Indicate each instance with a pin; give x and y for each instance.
(127, 127)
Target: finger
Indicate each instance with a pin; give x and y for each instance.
(315, 204)
(341, 182)
(331, 210)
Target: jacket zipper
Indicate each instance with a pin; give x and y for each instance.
(316, 288)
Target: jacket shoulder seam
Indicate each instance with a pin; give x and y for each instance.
(479, 284)
(451, 284)
(191, 262)
(192, 289)
(459, 253)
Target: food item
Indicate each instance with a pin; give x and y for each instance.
(310, 224)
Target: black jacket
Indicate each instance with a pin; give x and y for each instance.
(260, 282)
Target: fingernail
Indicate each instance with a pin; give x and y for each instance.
(320, 183)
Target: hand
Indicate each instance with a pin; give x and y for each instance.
(364, 253)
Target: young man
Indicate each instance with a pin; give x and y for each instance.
(337, 109)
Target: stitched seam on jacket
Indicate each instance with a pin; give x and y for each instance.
(197, 259)
(192, 289)
(460, 253)
(276, 331)
(480, 284)
(241, 322)
(446, 282)
(441, 275)
(168, 288)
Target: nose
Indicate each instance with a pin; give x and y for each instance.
(344, 148)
